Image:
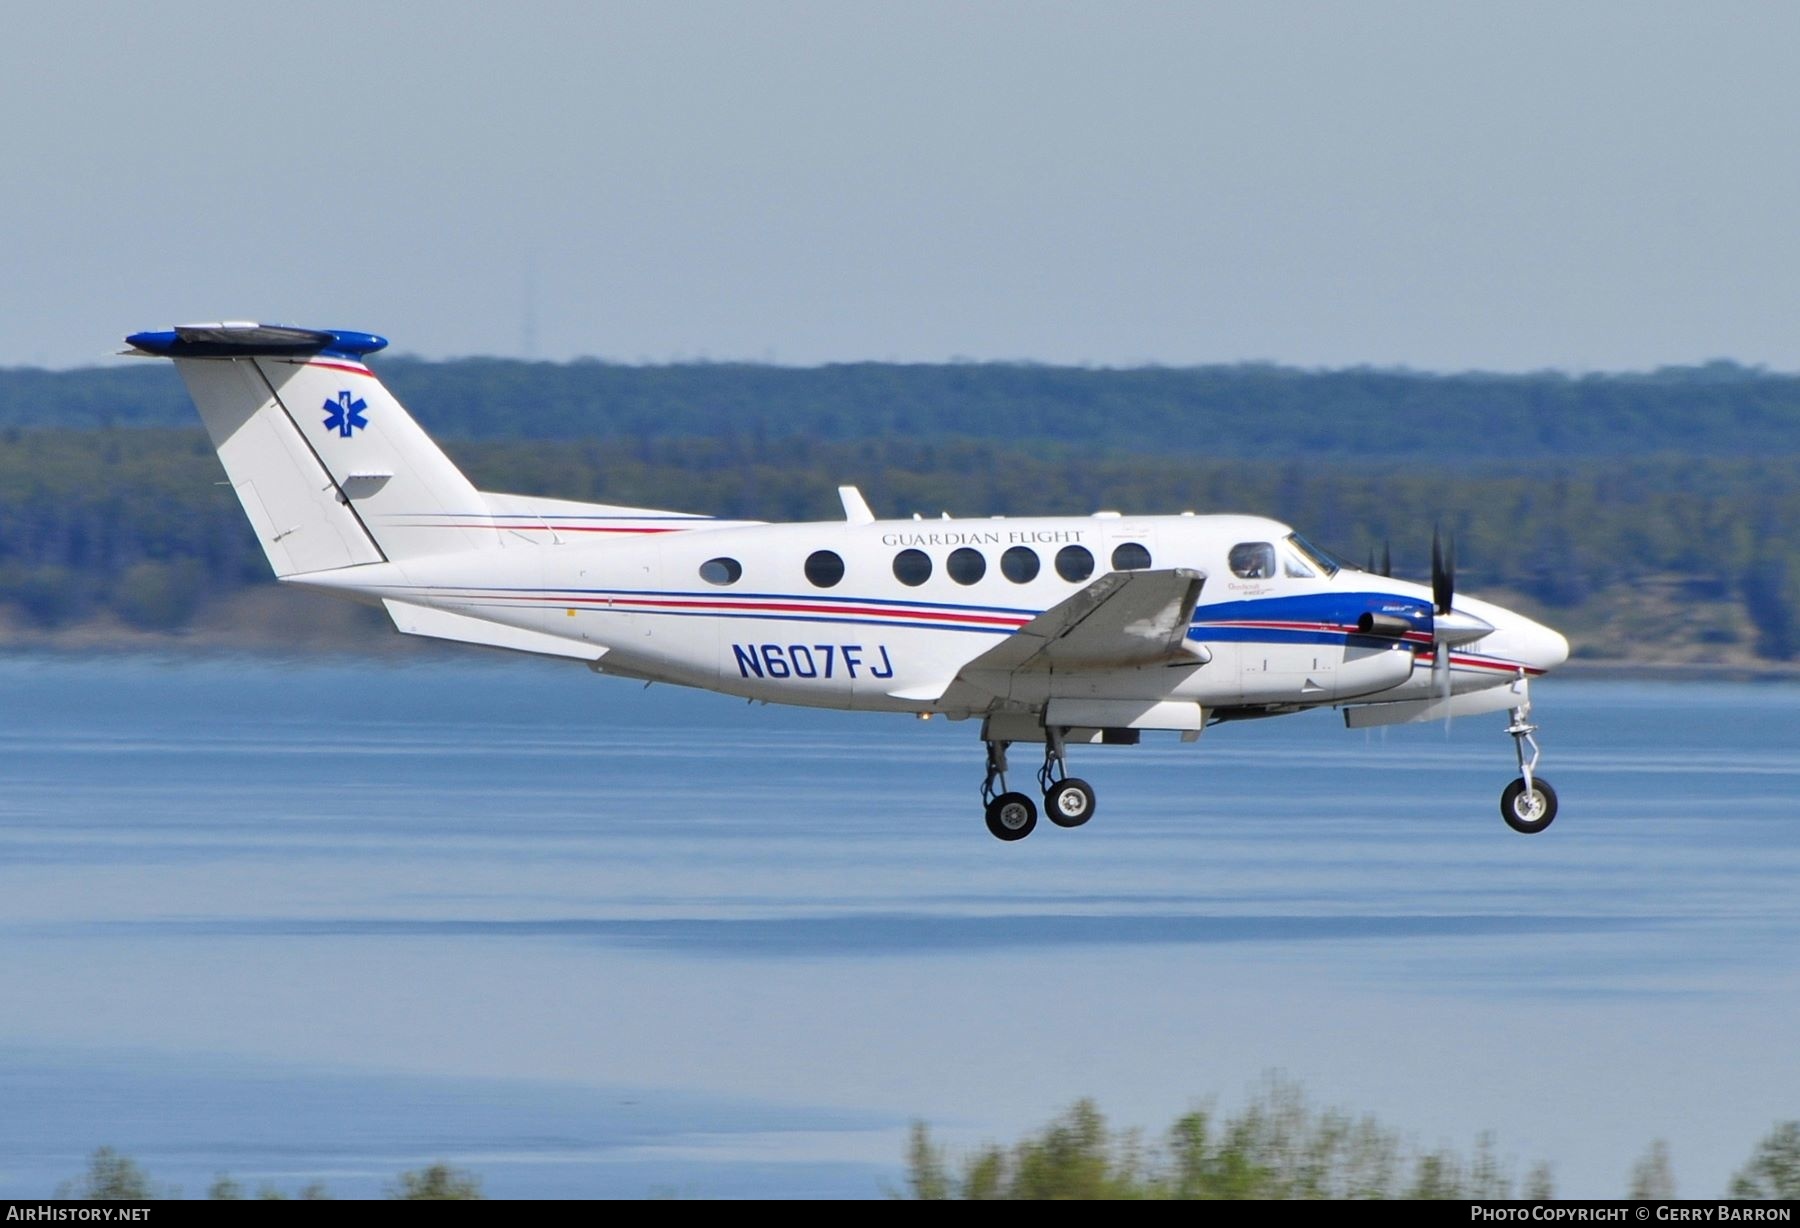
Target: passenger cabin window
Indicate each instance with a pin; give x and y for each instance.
(721, 571)
(1252, 560)
(965, 565)
(1020, 564)
(824, 568)
(1130, 556)
(912, 567)
(1074, 563)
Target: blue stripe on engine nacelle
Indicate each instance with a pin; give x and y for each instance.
(1337, 609)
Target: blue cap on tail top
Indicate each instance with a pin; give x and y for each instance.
(244, 340)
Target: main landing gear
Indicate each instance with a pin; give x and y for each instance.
(1528, 804)
(1068, 800)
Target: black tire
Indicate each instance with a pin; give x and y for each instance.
(1011, 816)
(1070, 802)
(1528, 813)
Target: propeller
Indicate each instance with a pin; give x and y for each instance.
(1443, 594)
(1443, 572)
(1387, 560)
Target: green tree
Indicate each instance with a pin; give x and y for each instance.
(1773, 1171)
(1076, 1156)
(926, 1177)
(109, 1177)
(1653, 1177)
(1436, 1175)
(436, 1183)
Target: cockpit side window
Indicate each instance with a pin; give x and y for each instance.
(1315, 557)
(1252, 560)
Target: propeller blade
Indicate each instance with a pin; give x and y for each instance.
(1443, 572)
(1387, 558)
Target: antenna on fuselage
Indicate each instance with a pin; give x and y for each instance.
(856, 508)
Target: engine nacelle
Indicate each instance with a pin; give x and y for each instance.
(1371, 623)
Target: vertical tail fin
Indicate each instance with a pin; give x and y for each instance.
(331, 470)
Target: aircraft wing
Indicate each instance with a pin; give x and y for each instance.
(1122, 620)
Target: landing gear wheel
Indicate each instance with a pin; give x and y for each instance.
(1011, 816)
(1069, 802)
(1528, 809)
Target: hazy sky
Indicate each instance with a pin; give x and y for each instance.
(1446, 186)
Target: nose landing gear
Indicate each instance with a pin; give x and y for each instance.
(1528, 804)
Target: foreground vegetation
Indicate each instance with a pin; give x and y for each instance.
(1281, 1146)
(111, 1177)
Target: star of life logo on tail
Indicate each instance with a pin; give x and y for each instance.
(344, 415)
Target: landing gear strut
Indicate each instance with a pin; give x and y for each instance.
(1068, 800)
(1528, 804)
(1012, 816)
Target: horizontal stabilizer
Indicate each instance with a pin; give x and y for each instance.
(442, 625)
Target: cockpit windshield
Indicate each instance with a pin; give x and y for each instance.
(1317, 556)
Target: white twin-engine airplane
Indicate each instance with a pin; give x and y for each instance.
(1053, 630)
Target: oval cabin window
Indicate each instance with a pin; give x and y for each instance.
(965, 565)
(1020, 564)
(1074, 563)
(1130, 556)
(912, 567)
(721, 571)
(824, 568)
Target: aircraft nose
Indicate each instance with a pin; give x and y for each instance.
(1542, 647)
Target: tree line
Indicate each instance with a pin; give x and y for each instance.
(139, 522)
(1466, 421)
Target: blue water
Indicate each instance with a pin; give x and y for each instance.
(302, 922)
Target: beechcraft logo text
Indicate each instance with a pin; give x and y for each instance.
(344, 415)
